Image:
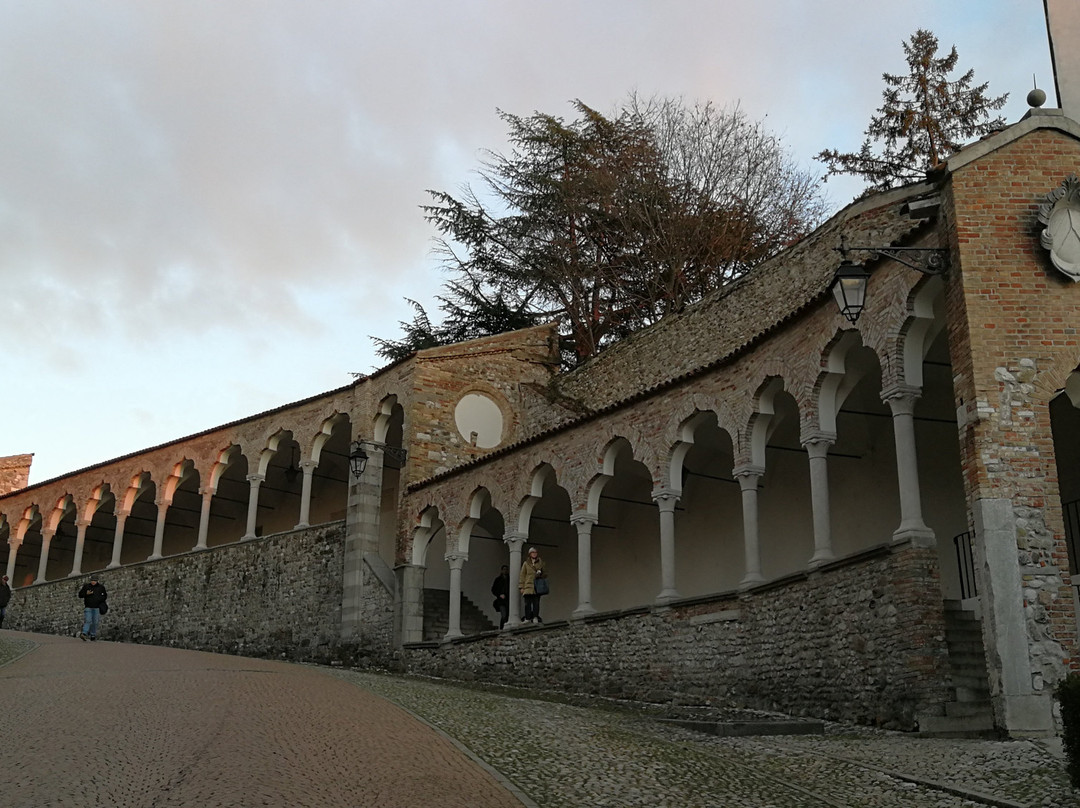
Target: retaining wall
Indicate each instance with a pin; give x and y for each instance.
(860, 640)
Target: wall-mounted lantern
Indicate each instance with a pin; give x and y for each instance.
(850, 279)
(358, 458)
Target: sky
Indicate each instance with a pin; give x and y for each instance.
(208, 208)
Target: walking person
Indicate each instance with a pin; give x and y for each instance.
(93, 595)
(500, 588)
(531, 570)
(5, 598)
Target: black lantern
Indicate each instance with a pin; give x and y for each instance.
(849, 289)
(358, 459)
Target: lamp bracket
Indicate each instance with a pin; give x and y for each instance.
(927, 260)
(397, 453)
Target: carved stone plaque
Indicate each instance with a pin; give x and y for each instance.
(1060, 215)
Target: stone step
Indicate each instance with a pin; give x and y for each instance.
(967, 694)
(967, 726)
(966, 709)
(437, 615)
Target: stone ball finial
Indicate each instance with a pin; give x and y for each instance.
(1036, 98)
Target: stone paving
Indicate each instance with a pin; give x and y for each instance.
(107, 724)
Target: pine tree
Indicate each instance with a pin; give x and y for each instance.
(925, 117)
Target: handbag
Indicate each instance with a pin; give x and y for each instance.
(540, 585)
(104, 607)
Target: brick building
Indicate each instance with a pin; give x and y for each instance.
(755, 502)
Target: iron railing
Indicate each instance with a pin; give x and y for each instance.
(965, 562)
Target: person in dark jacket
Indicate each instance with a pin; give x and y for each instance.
(500, 588)
(93, 595)
(5, 598)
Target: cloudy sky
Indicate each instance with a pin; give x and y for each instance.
(207, 207)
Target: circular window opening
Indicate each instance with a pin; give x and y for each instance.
(479, 420)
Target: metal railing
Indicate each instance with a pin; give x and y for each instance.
(1072, 535)
(965, 563)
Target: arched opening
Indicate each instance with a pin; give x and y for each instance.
(141, 522)
(482, 537)
(228, 506)
(330, 478)
(62, 550)
(29, 554)
(182, 517)
(97, 551)
(786, 521)
(626, 537)
(389, 429)
(279, 493)
(429, 551)
(708, 535)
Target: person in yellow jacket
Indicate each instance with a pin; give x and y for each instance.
(531, 569)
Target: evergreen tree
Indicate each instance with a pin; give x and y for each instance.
(605, 224)
(925, 117)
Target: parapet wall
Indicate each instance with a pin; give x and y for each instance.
(14, 472)
(861, 641)
(274, 597)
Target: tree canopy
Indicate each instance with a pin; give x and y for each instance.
(607, 223)
(925, 117)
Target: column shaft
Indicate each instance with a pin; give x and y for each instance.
(80, 544)
(514, 541)
(159, 528)
(204, 518)
(456, 562)
(308, 467)
(254, 480)
(748, 477)
(666, 500)
(118, 539)
(912, 526)
(43, 562)
(818, 452)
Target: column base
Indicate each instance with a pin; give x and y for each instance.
(751, 581)
(154, 557)
(821, 557)
(666, 597)
(113, 565)
(918, 534)
(302, 525)
(448, 636)
(583, 611)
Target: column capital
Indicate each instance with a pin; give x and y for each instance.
(582, 518)
(308, 465)
(748, 470)
(255, 478)
(207, 491)
(163, 501)
(14, 541)
(84, 523)
(817, 436)
(817, 448)
(47, 533)
(123, 514)
(664, 496)
(515, 540)
(456, 560)
(901, 397)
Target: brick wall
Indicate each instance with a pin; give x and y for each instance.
(860, 640)
(1013, 331)
(14, 472)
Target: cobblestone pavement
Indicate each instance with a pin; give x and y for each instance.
(107, 724)
(570, 756)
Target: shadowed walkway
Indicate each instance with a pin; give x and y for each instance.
(137, 726)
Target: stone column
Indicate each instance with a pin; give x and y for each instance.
(46, 540)
(80, 544)
(514, 541)
(13, 552)
(361, 537)
(308, 467)
(456, 562)
(204, 517)
(901, 401)
(159, 528)
(118, 539)
(583, 522)
(817, 448)
(409, 604)
(666, 499)
(748, 477)
(254, 480)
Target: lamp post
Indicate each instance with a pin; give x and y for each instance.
(850, 279)
(358, 458)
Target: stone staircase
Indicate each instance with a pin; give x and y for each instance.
(970, 713)
(437, 615)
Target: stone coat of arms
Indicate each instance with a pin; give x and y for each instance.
(1060, 216)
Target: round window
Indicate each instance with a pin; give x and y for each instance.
(479, 420)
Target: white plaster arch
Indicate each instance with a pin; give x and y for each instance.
(837, 380)
(93, 502)
(537, 482)
(226, 457)
(920, 328)
(428, 526)
(381, 425)
(138, 485)
(761, 423)
(324, 433)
